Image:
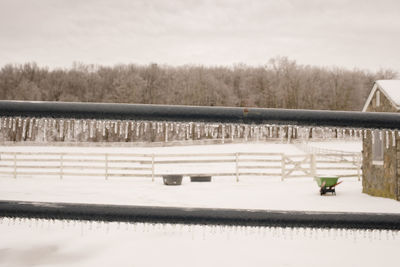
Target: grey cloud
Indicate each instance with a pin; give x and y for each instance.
(340, 32)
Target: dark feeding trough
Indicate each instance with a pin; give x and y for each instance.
(172, 179)
(203, 178)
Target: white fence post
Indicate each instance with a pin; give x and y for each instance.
(61, 166)
(237, 166)
(15, 165)
(152, 167)
(106, 166)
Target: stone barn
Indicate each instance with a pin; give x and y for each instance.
(381, 160)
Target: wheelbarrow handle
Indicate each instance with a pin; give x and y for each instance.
(337, 183)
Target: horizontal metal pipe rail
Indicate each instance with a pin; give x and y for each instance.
(199, 216)
(105, 111)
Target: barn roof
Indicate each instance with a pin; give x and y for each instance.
(390, 88)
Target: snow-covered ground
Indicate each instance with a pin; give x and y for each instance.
(223, 192)
(41, 243)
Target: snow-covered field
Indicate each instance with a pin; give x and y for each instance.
(42, 243)
(45, 243)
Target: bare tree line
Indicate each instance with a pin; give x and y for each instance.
(282, 83)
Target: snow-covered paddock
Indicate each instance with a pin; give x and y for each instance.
(44, 243)
(223, 192)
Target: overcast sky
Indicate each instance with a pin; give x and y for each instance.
(346, 33)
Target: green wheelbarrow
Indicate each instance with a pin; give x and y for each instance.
(327, 184)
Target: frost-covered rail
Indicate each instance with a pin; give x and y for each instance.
(199, 216)
(107, 111)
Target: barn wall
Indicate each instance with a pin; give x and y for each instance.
(381, 180)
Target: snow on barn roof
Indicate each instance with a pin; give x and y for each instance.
(390, 88)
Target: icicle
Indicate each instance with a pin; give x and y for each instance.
(137, 129)
(161, 128)
(323, 133)
(232, 131)
(171, 127)
(127, 127)
(177, 127)
(61, 128)
(98, 126)
(387, 139)
(30, 128)
(115, 127)
(166, 131)
(1, 122)
(290, 129)
(68, 129)
(14, 125)
(23, 130)
(91, 129)
(146, 124)
(44, 130)
(281, 133)
(5, 123)
(351, 133)
(74, 128)
(343, 133)
(380, 135)
(257, 132)
(214, 131)
(365, 133)
(121, 128)
(223, 133)
(197, 131)
(373, 136)
(187, 131)
(84, 126)
(270, 131)
(191, 128)
(393, 138)
(153, 125)
(103, 128)
(246, 132)
(158, 128)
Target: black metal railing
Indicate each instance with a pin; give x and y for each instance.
(376, 120)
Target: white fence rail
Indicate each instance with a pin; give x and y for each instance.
(109, 165)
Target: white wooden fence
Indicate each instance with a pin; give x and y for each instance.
(108, 165)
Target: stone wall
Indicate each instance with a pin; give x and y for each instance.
(381, 180)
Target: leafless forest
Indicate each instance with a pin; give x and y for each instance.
(282, 83)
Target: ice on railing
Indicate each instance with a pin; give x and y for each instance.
(203, 231)
(84, 130)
